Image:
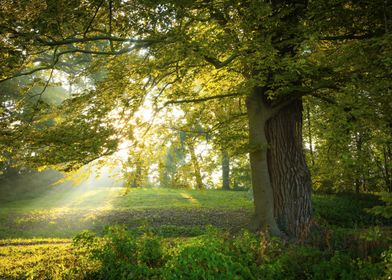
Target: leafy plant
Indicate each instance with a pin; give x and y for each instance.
(122, 254)
(383, 210)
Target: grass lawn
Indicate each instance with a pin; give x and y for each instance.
(65, 211)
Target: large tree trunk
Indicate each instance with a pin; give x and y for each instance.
(290, 177)
(263, 198)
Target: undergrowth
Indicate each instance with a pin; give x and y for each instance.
(124, 254)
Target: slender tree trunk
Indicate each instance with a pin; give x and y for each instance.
(387, 171)
(163, 177)
(359, 176)
(138, 180)
(263, 197)
(309, 134)
(290, 176)
(225, 170)
(196, 165)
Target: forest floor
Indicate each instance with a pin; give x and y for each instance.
(38, 230)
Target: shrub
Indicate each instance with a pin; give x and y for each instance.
(387, 258)
(217, 255)
(122, 254)
(214, 256)
(383, 210)
(348, 210)
(200, 262)
(294, 262)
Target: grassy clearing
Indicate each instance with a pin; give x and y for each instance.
(65, 197)
(36, 231)
(64, 211)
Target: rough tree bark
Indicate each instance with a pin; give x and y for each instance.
(290, 176)
(280, 177)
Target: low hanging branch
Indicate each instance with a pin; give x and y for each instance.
(59, 54)
(197, 100)
(74, 40)
(353, 36)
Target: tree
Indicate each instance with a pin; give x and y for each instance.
(267, 52)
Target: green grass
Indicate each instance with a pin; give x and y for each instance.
(64, 211)
(16, 259)
(64, 197)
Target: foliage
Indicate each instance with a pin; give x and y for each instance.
(347, 210)
(122, 255)
(212, 257)
(383, 210)
(215, 255)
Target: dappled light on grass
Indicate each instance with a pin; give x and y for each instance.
(65, 210)
(190, 198)
(66, 198)
(60, 210)
(67, 207)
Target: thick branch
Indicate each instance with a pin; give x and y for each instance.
(197, 100)
(352, 36)
(122, 51)
(220, 64)
(27, 73)
(95, 38)
(57, 56)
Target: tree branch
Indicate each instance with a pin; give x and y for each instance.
(93, 39)
(57, 56)
(352, 36)
(92, 19)
(122, 51)
(27, 73)
(220, 64)
(197, 100)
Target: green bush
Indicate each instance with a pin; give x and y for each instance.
(217, 255)
(300, 262)
(200, 262)
(294, 262)
(383, 210)
(387, 258)
(214, 257)
(122, 254)
(348, 210)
